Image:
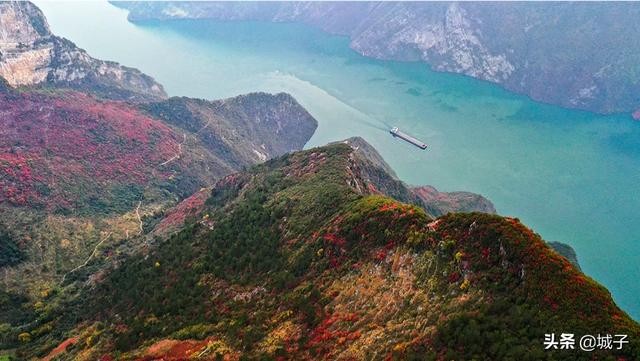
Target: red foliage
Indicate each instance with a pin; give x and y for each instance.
(60, 348)
(485, 252)
(16, 180)
(173, 350)
(332, 330)
(381, 255)
(49, 144)
(189, 207)
(513, 255)
(335, 240)
(388, 206)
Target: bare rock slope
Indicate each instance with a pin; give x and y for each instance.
(30, 55)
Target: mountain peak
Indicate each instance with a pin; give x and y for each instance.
(22, 22)
(31, 56)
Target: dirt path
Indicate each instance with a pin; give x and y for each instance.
(178, 154)
(139, 218)
(95, 249)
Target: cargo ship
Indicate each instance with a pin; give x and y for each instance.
(407, 138)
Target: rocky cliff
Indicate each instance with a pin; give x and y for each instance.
(381, 179)
(30, 55)
(567, 252)
(578, 55)
(249, 128)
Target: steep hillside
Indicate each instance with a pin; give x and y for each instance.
(81, 172)
(448, 202)
(66, 151)
(251, 128)
(298, 258)
(377, 176)
(578, 55)
(30, 55)
(78, 173)
(380, 178)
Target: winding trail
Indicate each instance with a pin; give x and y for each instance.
(178, 154)
(95, 249)
(139, 218)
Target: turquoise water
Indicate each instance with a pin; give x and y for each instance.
(572, 176)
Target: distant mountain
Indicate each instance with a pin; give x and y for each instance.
(448, 202)
(250, 128)
(578, 55)
(30, 55)
(65, 151)
(300, 258)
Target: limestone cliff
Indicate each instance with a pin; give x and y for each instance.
(578, 55)
(30, 55)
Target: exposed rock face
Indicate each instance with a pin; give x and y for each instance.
(552, 52)
(30, 55)
(454, 201)
(244, 130)
(382, 179)
(566, 251)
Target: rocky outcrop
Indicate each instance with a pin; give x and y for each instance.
(577, 55)
(382, 179)
(30, 55)
(567, 252)
(449, 202)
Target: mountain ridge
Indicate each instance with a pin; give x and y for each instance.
(274, 267)
(553, 53)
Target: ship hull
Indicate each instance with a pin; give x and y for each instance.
(407, 138)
